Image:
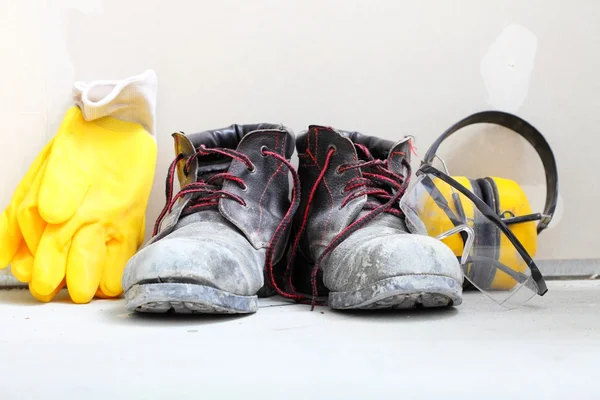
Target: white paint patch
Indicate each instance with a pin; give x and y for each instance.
(506, 68)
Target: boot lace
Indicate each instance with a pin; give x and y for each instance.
(383, 188)
(209, 191)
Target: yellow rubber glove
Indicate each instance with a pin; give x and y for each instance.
(93, 195)
(21, 225)
(12, 245)
(32, 227)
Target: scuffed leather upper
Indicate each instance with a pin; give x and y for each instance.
(204, 249)
(382, 248)
(380, 251)
(225, 247)
(327, 217)
(266, 195)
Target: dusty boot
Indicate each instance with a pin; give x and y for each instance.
(351, 241)
(230, 219)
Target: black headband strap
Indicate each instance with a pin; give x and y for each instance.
(527, 131)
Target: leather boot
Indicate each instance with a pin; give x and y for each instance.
(229, 221)
(351, 241)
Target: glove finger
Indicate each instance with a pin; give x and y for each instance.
(100, 294)
(10, 234)
(85, 264)
(10, 237)
(50, 262)
(21, 265)
(30, 222)
(66, 180)
(118, 253)
(49, 297)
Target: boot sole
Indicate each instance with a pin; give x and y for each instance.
(187, 298)
(401, 292)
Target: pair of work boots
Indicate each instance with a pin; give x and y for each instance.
(234, 231)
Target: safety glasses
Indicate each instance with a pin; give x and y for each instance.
(491, 256)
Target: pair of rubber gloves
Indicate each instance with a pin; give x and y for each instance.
(78, 214)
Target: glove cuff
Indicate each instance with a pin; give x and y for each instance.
(132, 99)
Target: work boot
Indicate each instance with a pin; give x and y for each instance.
(351, 241)
(230, 219)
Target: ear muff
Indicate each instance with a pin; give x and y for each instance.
(508, 200)
(509, 209)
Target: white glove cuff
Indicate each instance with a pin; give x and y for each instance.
(132, 99)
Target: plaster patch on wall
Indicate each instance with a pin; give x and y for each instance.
(507, 66)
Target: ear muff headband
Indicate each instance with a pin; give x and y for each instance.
(527, 131)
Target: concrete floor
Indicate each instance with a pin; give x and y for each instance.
(549, 349)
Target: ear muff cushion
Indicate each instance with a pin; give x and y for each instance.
(486, 235)
(489, 192)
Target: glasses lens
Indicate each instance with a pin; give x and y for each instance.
(492, 264)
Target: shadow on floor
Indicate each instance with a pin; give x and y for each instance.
(412, 315)
(418, 314)
(21, 296)
(116, 314)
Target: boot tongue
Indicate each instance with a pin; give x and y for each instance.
(204, 168)
(400, 151)
(207, 169)
(186, 148)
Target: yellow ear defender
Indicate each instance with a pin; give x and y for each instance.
(450, 207)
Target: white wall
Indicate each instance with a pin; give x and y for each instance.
(385, 68)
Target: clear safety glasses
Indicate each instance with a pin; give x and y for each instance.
(491, 256)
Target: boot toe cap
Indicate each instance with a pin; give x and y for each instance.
(207, 259)
(370, 257)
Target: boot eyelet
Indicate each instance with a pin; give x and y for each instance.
(252, 170)
(332, 146)
(263, 149)
(245, 188)
(338, 170)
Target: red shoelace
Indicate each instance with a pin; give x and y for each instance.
(210, 192)
(377, 182)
